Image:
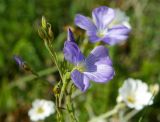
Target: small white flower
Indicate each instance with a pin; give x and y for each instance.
(41, 109)
(135, 94)
(120, 19)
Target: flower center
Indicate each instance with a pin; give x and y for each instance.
(131, 99)
(40, 110)
(81, 67)
(102, 33)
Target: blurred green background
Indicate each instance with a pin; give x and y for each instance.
(139, 57)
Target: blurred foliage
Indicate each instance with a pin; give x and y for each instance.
(139, 57)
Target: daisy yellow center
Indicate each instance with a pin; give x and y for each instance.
(131, 99)
(40, 110)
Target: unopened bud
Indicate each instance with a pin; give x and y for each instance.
(50, 32)
(26, 67)
(22, 64)
(42, 33)
(56, 90)
(45, 31)
(154, 88)
(44, 23)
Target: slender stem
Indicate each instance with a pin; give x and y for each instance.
(130, 115)
(64, 85)
(62, 92)
(88, 106)
(28, 78)
(59, 116)
(70, 107)
(121, 115)
(108, 114)
(54, 57)
(56, 62)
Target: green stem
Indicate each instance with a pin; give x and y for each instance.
(108, 114)
(70, 108)
(54, 57)
(59, 116)
(55, 60)
(22, 81)
(89, 107)
(121, 115)
(130, 115)
(62, 92)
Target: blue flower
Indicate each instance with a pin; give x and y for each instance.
(96, 67)
(22, 64)
(100, 29)
(19, 61)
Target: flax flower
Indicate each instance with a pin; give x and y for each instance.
(96, 67)
(103, 26)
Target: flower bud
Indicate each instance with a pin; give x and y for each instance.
(50, 32)
(42, 33)
(56, 90)
(44, 23)
(22, 64)
(154, 88)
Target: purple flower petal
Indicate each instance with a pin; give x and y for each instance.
(94, 38)
(72, 52)
(99, 29)
(118, 30)
(85, 23)
(80, 80)
(116, 34)
(19, 61)
(99, 55)
(99, 65)
(103, 73)
(102, 16)
(70, 36)
(112, 40)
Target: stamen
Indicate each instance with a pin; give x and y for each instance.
(81, 67)
(131, 99)
(40, 110)
(102, 33)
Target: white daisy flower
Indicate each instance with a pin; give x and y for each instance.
(41, 109)
(120, 19)
(135, 94)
